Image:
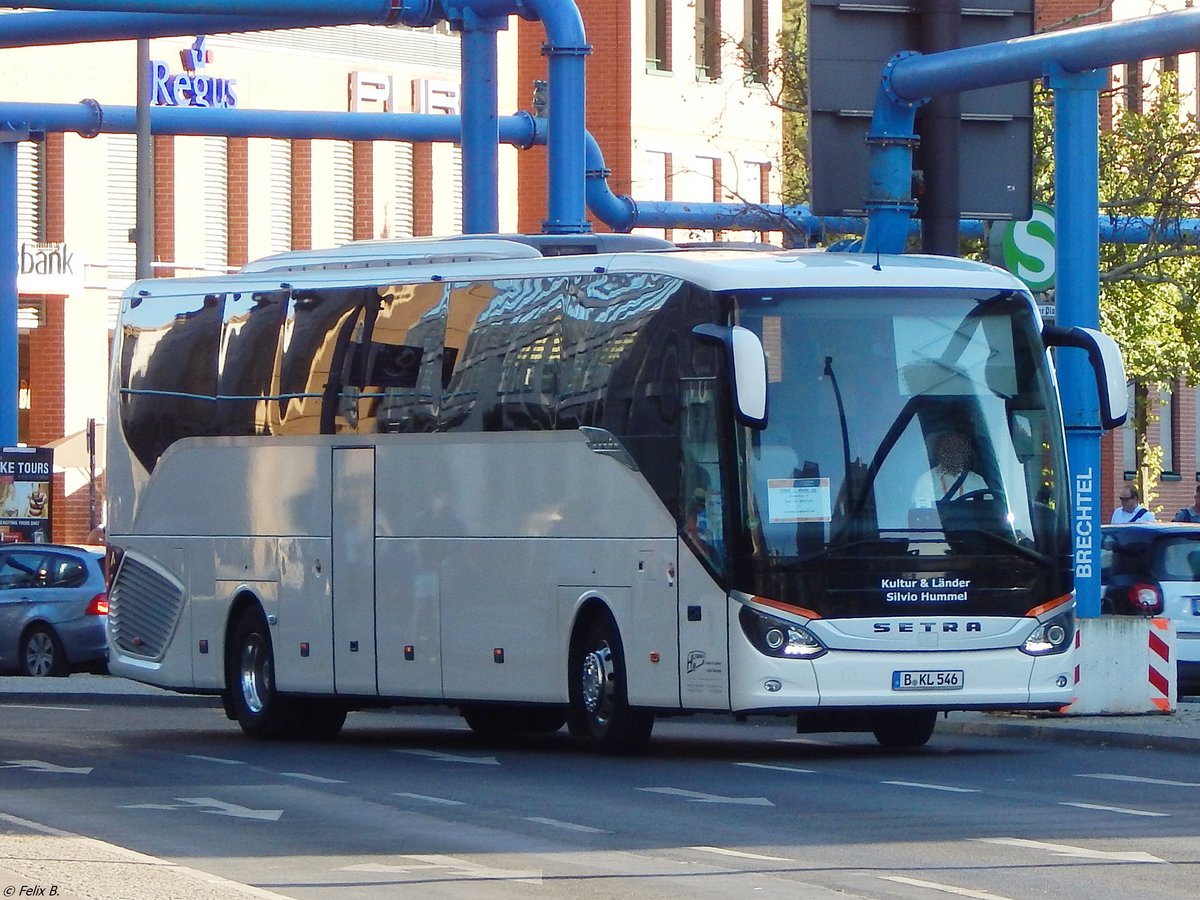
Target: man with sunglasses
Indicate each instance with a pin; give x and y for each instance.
(1130, 510)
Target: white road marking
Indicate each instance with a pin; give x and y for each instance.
(1117, 809)
(429, 799)
(1077, 852)
(697, 797)
(568, 826)
(216, 759)
(213, 807)
(933, 787)
(450, 757)
(315, 778)
(38, 765)
(51, 708)
(455, 869)
(944, 888)
(792, 769)
(1137, 779)
(741, 854)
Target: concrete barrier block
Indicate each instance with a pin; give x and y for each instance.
(1125, 666)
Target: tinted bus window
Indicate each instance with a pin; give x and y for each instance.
(168, 371)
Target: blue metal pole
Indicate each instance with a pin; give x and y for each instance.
(8, 290)
(1077, 257)
(480, 127)
(891, 140)
(567, 47)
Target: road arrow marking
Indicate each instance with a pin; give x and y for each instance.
(453, 867)
(221, 808)
(213, 807)
(1077, 852)
(450, 757)
(697, 797)
(38, 765)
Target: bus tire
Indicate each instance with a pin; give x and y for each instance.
(316, 719)
(904, 728)
(600, 709)
(250, 680)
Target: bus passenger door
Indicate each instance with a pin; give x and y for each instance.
(353, 560)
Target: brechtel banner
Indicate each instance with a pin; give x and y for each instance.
(25, 485)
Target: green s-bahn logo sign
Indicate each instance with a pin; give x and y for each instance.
(1027, 248)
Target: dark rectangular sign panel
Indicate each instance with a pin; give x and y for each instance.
(848, 43)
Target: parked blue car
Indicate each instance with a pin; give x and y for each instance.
(53, 609)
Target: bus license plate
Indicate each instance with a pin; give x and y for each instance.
(929, 680)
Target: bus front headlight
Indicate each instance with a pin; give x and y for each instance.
(775, 637)
(1054, 636)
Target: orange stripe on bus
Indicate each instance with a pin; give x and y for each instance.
(1046, 607)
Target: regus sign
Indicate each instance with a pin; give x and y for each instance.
(1027, 248)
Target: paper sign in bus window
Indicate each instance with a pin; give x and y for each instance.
(798, 500)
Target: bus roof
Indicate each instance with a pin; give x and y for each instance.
(472, 258)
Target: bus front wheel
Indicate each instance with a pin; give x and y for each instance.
(904, 728)
(600, 709)
(250, 680)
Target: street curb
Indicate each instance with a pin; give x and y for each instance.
(50, 699)
(1066, 734)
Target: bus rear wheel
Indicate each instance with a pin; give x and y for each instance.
(250, 680)
(600, 709)
(904, 728)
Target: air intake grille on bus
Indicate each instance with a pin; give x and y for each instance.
(143, 609)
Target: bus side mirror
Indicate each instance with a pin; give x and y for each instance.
(1106, 360)
(747, 368)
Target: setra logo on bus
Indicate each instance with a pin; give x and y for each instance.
(927, 627)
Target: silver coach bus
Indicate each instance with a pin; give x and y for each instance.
(590, 480)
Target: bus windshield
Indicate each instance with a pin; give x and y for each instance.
(911, 440)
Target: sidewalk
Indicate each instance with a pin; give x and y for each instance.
(1174, 731)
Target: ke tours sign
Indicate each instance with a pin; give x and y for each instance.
(25, 487)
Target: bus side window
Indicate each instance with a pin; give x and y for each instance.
(249, 340)
(169, 372)
(412, 316)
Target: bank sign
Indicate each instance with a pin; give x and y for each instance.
(191, 87)
(48, 269)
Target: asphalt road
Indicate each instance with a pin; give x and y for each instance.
(147, 796)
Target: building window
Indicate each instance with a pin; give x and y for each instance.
(1166, 431)
(658, 36)
(31, 192)
(1129, 435)
(1133, 86)
(754, 45)
(708, 39)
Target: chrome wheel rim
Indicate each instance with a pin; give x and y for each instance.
(255, 677)
(597, 682)
(39, 654)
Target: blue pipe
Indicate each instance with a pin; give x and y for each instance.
(480, 128)
(43, 29)
(90, 118)
(1026, 58)
(365, 11)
